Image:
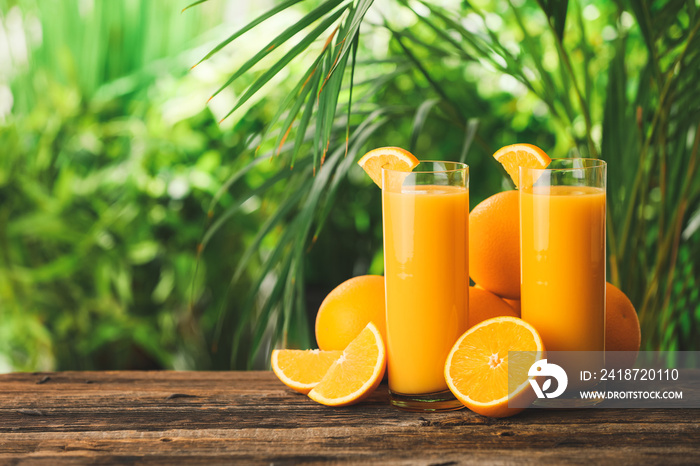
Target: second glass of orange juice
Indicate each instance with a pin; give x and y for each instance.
(426, 269)
(562, 257)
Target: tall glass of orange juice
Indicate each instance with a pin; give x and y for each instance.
(562, 254)
(426, 270)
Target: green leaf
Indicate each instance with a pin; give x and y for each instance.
(547, 89)
(280, 213)
(475, 41)
(320, 112)
(435, 52)
(588, 55)
(305, 118)
(356, 44)
(556, 14)
(444, 36)
(230, 211)
(371, 86)
(472, 126)
(419, 121)
(299, 328)
(288, 33)
(266, 311)
(247, 310)
(363, 132)
(297, 95)
(330, 93)
(355, 19)
(232, 180)
(310, 84)
(268, 14)
(289, 56)
(287, 303)
(304, 220)
(195, 4)
(306, 215)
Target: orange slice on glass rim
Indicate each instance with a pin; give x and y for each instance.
(356, 373)
(393, 158)
(301, 370)
(521, 155)
(478, 367)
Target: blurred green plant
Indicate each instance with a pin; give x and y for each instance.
(113, 172)
(103, 179)
(616, 80)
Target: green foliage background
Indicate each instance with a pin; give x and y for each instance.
(137, 231)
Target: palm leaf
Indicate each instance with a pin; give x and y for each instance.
(319, 123)
(198, 2)
(260, 19)
(280, 213)
(245, 314)
(556, 15)
(265, 314)
(469, 134)
(230, 211)
(419, 121)
(330, 93)
(352, 30)
(283, 37)
(305, 118)
(284, 61)
(296, 95)
(617, 141)
(653, 144)
(230, 182)
(453, 112)
(299, 95)
(445, 38)
(363, 132)
(356, 43)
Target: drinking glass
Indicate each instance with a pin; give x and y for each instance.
(562, 258)
(426, 269)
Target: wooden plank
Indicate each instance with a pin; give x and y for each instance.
(251, 417)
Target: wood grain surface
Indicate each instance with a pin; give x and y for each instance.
(251, 418)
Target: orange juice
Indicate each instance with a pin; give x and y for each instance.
(427, 282)
(562, 274)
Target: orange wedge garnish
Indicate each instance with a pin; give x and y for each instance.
(393, 158)
(301, 370)
(356, 374)
(521, 155)
(477, 372)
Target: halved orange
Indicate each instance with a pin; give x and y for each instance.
(477, 368)
(356, 374)
(301, 370)
(393, 158)
(521, 155)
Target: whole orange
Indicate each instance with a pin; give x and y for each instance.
(347, 310)
(485, 305)
(622, 331)
(494, 244)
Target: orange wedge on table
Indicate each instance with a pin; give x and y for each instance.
(521, 155)
(393, 158)
(301, 370)
(477, 367)
(356, 373)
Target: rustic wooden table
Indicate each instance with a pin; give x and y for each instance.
(251, 418)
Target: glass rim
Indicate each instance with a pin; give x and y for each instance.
(597, 163)
(461, 167)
